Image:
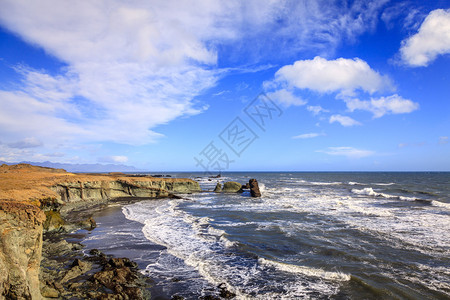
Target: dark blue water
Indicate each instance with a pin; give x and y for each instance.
(310, 235)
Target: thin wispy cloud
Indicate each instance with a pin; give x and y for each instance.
(308, 135)
(443, 140)
(379, 107)
(349, 152)
(286, 98)
(316, 109)
(343, 120)
(113, 159)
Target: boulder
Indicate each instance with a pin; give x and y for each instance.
(232, 187)
(78, 268)
(218, 188)
(254, 188)
(88, 224)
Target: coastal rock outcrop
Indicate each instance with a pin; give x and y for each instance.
(218, 188)
(119, 188)
(232, 187)
(254, 188)
(20, 250)
(26, 191)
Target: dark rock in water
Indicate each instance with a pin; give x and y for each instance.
(232, 187)
(209, 297)
(120, 263)
(217, 176)
(224, 292)
(254, 188)
(88, 224)
(119, 275)
(218, 188)
(246, 186)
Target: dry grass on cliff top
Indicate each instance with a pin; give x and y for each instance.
(27, 183)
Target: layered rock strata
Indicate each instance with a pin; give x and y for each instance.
(26, 191)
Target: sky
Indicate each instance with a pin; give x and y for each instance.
(257, 85)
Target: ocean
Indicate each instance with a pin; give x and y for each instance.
(310, 236)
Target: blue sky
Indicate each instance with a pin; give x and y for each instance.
(230, 85)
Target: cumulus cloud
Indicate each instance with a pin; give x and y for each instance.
(432, 39)
(350, 152)
(285, 97)
(394, 104)
(326, 76)
(308, 135)
(344, 120)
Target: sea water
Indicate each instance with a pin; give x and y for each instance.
(310, 236)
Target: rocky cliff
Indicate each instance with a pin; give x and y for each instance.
(25, 191)
(75, 191)
(20, 250)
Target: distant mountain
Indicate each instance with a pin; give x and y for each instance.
(81, 168)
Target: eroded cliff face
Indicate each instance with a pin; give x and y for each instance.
(24, 192)
(20, 250)
(119, 188)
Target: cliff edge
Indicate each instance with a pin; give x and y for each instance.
(25, 192)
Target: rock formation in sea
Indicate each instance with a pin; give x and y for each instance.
(232, 187)
(254, 188)
(31, 198)
(218, 188)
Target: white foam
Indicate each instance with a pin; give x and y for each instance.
(441, 204)
(184, 236)
(366, 191)
(308, 271)
(370, 192)
(325, 183)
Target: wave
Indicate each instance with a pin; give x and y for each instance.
(324, 183)
(370, 192)
(440, 204)
(206, 249)
(308, 271)
(359, 183)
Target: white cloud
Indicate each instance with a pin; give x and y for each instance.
(26, 143)
(339, 75)
(286, 98)
(131, 66)
(394, 104)
(114, 159)
(443, 140)
(316, 109)
(432, 39)
(350, 152)
(344, 120)
(308, 135)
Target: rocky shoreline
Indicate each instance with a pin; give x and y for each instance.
(41, 209)
(67, 272)
(32, 198)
